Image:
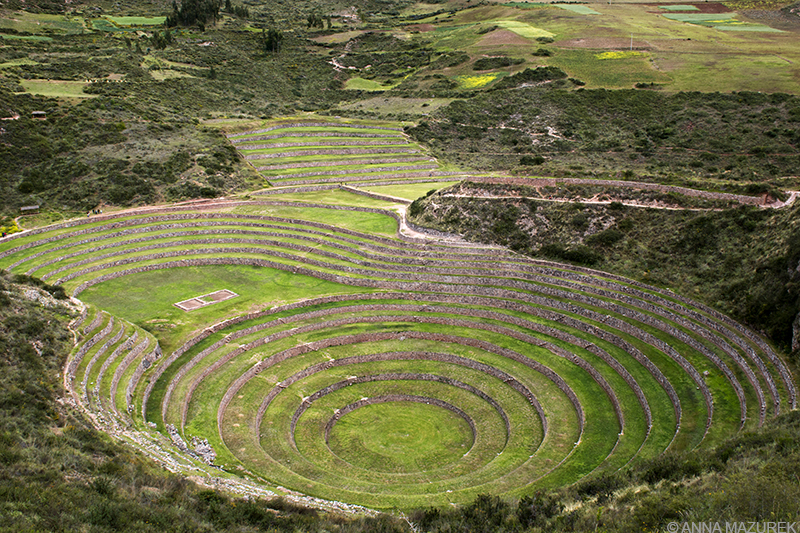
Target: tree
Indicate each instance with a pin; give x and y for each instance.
(271, 40)
(315, 20)
(194, 12)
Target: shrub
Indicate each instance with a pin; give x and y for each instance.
(607, 237)
(490, 63)
(531, 160)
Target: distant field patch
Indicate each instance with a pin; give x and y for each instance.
(363, 84)
(137, 21)
(679, 7)
(338, 37)
(105, 25)
(417, 106)
(525, 5)
(523, 30)
(720, 21)
(619, 54)
(26, 37)
(581, 10)
(475, 82)
(18, 63)
(40, 23)
(56, 88)
(168, 74)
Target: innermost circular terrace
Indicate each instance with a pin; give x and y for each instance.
(403, 434)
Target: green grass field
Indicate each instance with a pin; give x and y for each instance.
(56, 88)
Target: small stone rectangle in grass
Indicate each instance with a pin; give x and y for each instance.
(206, 299)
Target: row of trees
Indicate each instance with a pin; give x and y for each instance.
(201, 12)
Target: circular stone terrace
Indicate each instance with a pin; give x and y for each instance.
(367, 367)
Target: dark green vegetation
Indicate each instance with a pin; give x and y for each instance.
(740, 142)
(57, 473)
(743, 261)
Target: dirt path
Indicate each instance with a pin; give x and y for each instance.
(583, 201)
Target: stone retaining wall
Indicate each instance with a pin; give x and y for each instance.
(234, 388)
(122, 367)
(350, 171)
(333, 142)
(315, 125)
(401, 356)
(517, 284)
(127, 345)
(554, 182)
(342, 162)
(354, 177)
(395, 398)
(93, 360)
(335, 151)
(314, 134)
(72, 367)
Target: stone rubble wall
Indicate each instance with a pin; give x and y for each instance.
(555, 182)
(332, 151)
(522, 285)
(401, 356)
(103, 349)
(327, 142)
(121, 368)
(127, 345)
(314, 125)
(351, 171)
(72, 367)
(393, 398)
(342, 162)
(237, 384)
(314, 134)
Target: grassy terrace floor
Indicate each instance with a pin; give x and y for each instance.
(516, 374)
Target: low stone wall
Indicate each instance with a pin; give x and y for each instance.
(354, 177)
(386, 399)
(133, 382)
(327, 142)
(315, 125)
(402, 356)
(236, 386)
(95, 358)
(351, 171)
(342, 162)
(127, 345)
(72, 367)
(314, 134)
(640, 317)
(374, 195)
(121, 368)
(334, 151)
(554, 182)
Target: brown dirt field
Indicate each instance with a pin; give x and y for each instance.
(188, 305)
(420, 27)
(502, 37)
(709, 7)
(603, 43)
(219, 296)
